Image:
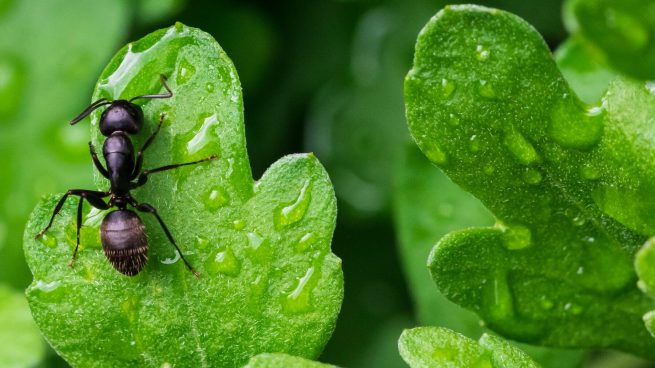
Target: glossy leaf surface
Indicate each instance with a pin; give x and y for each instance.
(568, 183)
(269, 281)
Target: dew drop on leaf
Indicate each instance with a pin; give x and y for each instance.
(520, 147)
(290, 213)
(589, 172)
(498, 297)
(485, 89)
(201, 242)
(48, 241)
(223, 261)
(305, 242)
(474, 144)
(238, 224)
(202, 141)
(447, 88)
(47, 291)
(216, 197)
(298, 300)
(482, 53)
(435, 153)
(516, 236)
(184, 72)
(532, 176)
(574, 126)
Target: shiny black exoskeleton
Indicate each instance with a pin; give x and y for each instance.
(122, 232)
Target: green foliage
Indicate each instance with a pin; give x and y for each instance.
(41, 87)
(619, 33)
(567, 182)
(283, 360)
(425, 347)
(22, 343)
(269, 281)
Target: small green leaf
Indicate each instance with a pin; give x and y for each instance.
(570, 184)
(22, 344)
(645, 266)
(426, 347)
(269, 281)
(620, 32)
(283, 360)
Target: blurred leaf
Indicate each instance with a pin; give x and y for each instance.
(269, 281)
(22, 345)
(152, 11)
(278, 360)
(621, 32)
(426, 347)
(569, 184)
(49, 57)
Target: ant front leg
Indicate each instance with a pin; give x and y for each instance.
(144, 207)
(139, 156)
(143, 177)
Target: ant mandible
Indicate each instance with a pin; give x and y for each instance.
(122, 232)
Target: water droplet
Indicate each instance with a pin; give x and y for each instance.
(482, 53)
(589, 172)
(650, 86)
(298, 300)
(447, 88)
(305, 242)
(216, 198)
(498, 298)
(532, 176)
(209, 87)
(434, 153)
(223, 261)
(48, 240)
(474, 144)
(202, 141)
(516, 236)
(238, 224)
(453, 120)
(255, 240)
(290, 213)
(580, 270)
(579, 221)
(230, 167)
(485, 89)
(589, 239)
(631, 30)
(572, 125)
(520, 147)
(47, 291)
(12, 84)
(184, 71)
(201, 242)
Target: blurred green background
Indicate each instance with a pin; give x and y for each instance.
(323, 76)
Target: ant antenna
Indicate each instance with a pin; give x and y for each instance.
(163, 80)
(89, 110)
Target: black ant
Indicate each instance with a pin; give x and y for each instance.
(122, 232)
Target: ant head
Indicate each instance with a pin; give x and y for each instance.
(121, 115)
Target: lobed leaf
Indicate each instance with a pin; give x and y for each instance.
(283, 360)
(425, 347)
(568, 183)
(269, 281)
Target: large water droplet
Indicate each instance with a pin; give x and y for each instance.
(290, 213)
(298, 300)
(516, 236)
(202, 141)
(184, 71)
(47, 291)
(574, 126)
(305, 242)
(223, 261)
(216, 198)
(482, 53)
(520, 147)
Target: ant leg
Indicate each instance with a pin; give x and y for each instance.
(94, 197)
(144, 207)
(143, 177)
(139, 156)
(96, 202)
(96, 161)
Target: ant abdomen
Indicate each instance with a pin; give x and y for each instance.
(124, 241)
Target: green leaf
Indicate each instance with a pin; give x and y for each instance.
(50, 54)
(645, 266)
(620, 32)
(569, 184)
(22, 343)
(283, 360)
(269, 281)
(425, 347)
